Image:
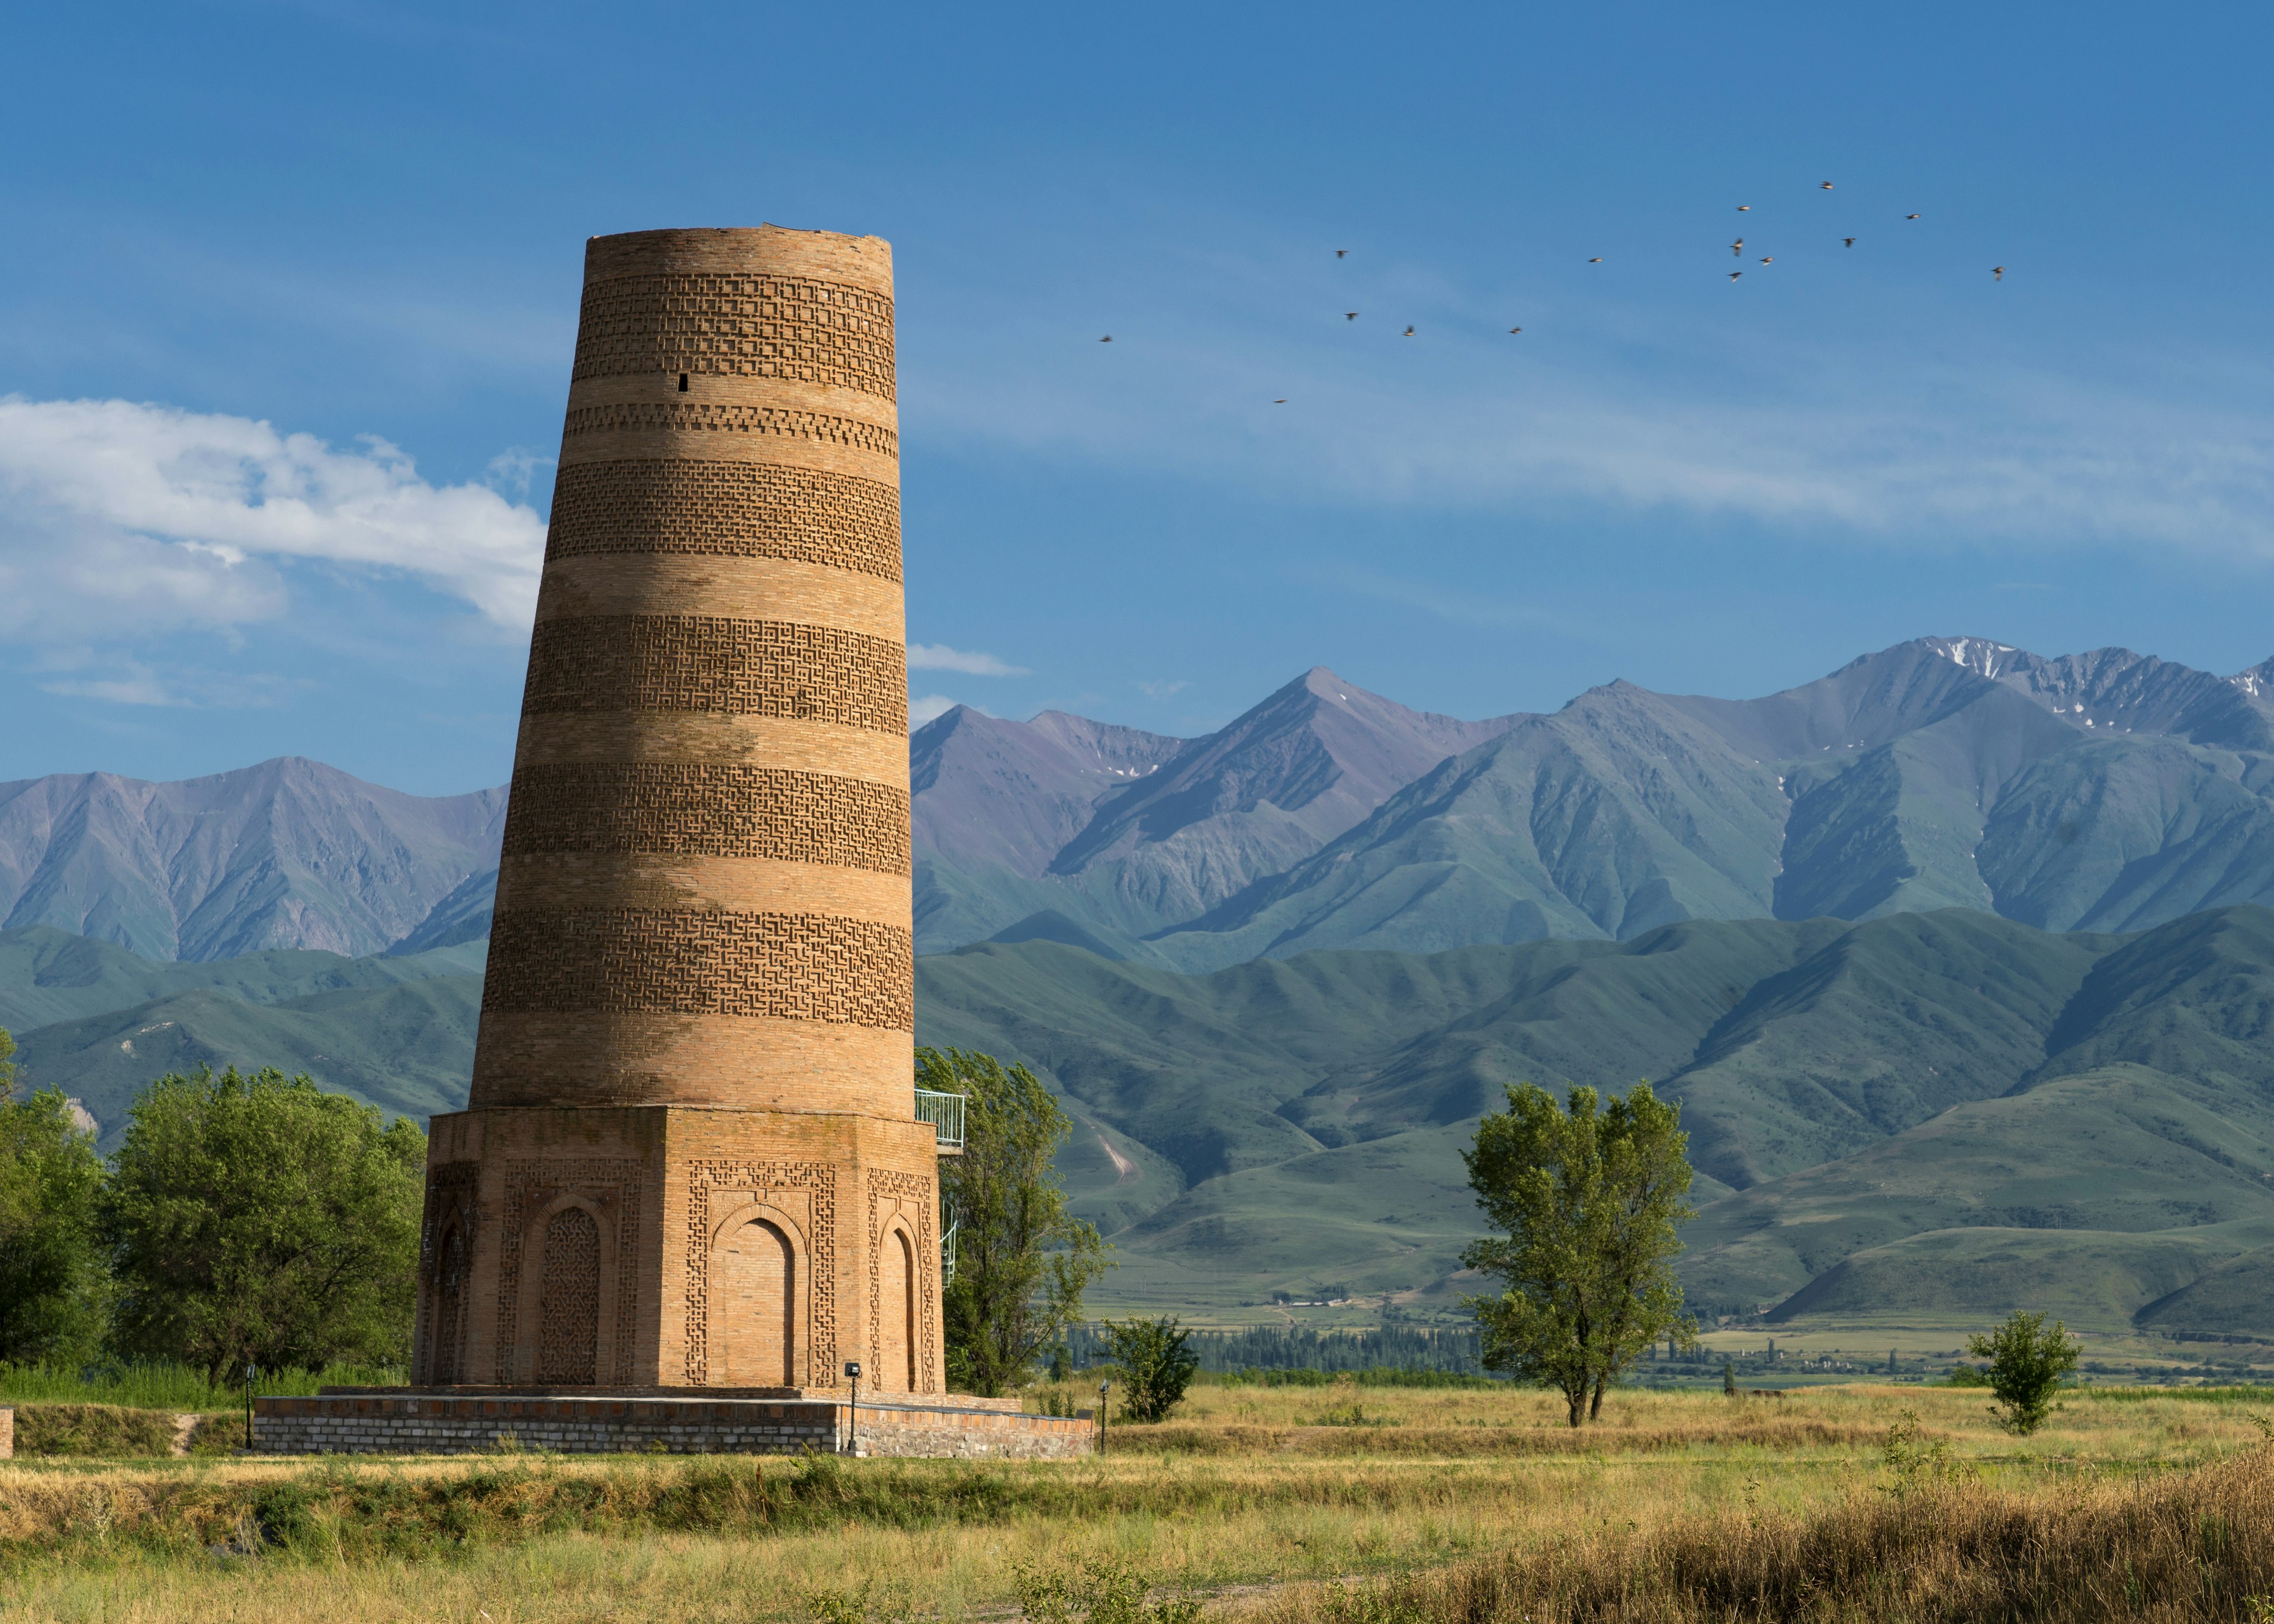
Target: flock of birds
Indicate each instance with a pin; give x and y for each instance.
(1736, 248)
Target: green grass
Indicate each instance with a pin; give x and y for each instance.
(172, 1387)
(98, 1432)
(2250, 1396)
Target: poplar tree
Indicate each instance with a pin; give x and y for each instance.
(1022, 1260)
(1589, 1199)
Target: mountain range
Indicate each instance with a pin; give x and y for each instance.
(2108, 791)
(290, 854)
(1959, 960)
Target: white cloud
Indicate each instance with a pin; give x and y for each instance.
(931, 708)
(122, 516)
(939, 656)
(1462, 608)
(1162, 690)
(1974, 435)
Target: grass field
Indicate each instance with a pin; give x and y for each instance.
(1405, 1504)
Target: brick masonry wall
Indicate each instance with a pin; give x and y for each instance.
(359, 1424)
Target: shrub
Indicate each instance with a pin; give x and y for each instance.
(1918, 1464)
(1099, 1592)
(1155, 1366)
(2027, 1362)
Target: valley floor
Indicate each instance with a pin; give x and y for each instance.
(1404, 1504)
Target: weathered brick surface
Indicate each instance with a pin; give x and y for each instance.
(691, 1159)
(460, 1424)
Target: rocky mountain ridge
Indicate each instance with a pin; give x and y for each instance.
(2103, 791)
(2106, 790)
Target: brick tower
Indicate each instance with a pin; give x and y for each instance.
(691, 1158)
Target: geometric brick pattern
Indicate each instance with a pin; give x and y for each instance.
(684, 505)
(725, 325)
(910, 1187)
(726, 417)
(529, 1185)
(701, 662)
(818, 1180)
(689, 961)
(671, 808)
(568, 1331)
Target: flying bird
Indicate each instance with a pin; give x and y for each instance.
(1515, 329)
(1768, 259)
(1735, 274)
(1737, 247)
(1107, 339)
(1349, 315)
(1849, 241)
(1745, 208)
(1827, 186)
(1998, 273)
(1281, 402)
(1598, 259)
(1339, 253)
(1910, 217)
(1409, 332)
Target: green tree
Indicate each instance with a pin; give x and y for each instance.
(1589, 1199)
(1156, 1364)
(259, 1220)
(52, 1279)
(2027, 1362)
(1022, 1260)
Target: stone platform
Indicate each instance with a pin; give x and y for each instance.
(682, 1421)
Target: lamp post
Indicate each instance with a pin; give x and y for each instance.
(853, 1370)
(1103, 1387)
(250, 1371)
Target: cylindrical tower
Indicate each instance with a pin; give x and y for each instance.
(691, 1157)
(703, 897)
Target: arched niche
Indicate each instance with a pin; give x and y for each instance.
(567, 1294)
(899, 1295)
(759, 1299)
(446, 1308)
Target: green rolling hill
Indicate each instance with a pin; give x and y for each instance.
(98, 1022)
(1924, 1117)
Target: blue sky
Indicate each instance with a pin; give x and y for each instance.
(286, 319)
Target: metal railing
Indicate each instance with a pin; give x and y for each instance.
(944, 1112)
(947, 1256)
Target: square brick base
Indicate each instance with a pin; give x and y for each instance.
(444, 1421)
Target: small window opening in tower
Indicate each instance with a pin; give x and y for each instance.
(683, 383)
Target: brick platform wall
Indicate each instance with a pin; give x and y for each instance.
(429, 1424)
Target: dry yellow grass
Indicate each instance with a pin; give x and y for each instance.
(1249, 1490)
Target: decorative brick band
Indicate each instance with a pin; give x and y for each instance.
(735, 326)
(695, 662)
(724, 810)
(682, 961)
(728, 419)
(726, 509)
